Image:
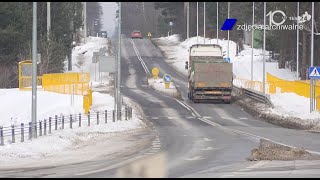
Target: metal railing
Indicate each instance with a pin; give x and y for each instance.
(47, 126)
(254, 95)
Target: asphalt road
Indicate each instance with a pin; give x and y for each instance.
(199, 140)
(197, 136)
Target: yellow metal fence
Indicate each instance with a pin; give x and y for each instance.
(277, 85)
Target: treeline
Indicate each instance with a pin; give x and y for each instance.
(55, 50)
(281, 43)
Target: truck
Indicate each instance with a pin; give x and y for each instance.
(210, 76)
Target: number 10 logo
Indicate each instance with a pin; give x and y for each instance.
(271, 20)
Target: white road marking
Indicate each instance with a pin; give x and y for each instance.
(207, 149)
(195, 158)
(256, 165)
(243, 118)
(207, 117)
(190, 117)
(140, 59)
(206, 139)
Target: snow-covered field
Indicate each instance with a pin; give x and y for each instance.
(286, 104)
(17, 109)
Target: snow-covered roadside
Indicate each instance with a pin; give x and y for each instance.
(66, 141)
(158, 85)
(286, 104)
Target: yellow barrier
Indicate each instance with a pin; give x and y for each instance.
(277, 85)
(86, 103)
(67, 83)
(70, 83)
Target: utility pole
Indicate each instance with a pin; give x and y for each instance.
(228, 31)
(188, 16)
(197, 23)
(217, 22)
(204, 22)
(85, 21)
(311, 63)
(119, 67)
(34, 68)
(252, 41)
(264, 47)
(297, 41)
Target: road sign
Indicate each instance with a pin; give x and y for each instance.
(107, 64)
(226, 59)
(149, 34)
(167, 78)
(314, 72)
(95, 57)
(155, 73)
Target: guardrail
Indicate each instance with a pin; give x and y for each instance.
(15, 133)
(254, 95)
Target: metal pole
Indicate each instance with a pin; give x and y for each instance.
(264, 47)
(85, 21)
(197, 22)
(188, 20)
(311, 63)
(228, 31)
(297, 41)
(252, 41)
(217, 22)
(34, 67)
(204, 22)
(48, 19)
(119, 61)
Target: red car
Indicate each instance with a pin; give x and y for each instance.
(136, 34)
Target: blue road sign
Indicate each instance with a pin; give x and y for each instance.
(228, 24)
(167, 78)
(314, 73)
(226, 59)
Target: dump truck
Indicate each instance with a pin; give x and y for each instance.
(210, 76)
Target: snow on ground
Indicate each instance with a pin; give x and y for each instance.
(286, 104)
(159, 85)
(18, 110)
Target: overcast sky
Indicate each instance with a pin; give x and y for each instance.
(108, 18)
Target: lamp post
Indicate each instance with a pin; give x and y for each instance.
(217, 22)
(119, 66)
(252, 41)
(34, 69)
(197, 22)
(204, 22)
(264, 48)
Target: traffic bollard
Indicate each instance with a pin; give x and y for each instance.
(22, 132)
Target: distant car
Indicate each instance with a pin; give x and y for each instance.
(136, 34)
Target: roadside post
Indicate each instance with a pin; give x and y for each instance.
(167, 80)
(149, 35)
(313, 75)
(155, 73)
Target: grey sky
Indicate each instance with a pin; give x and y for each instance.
(108, 18)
